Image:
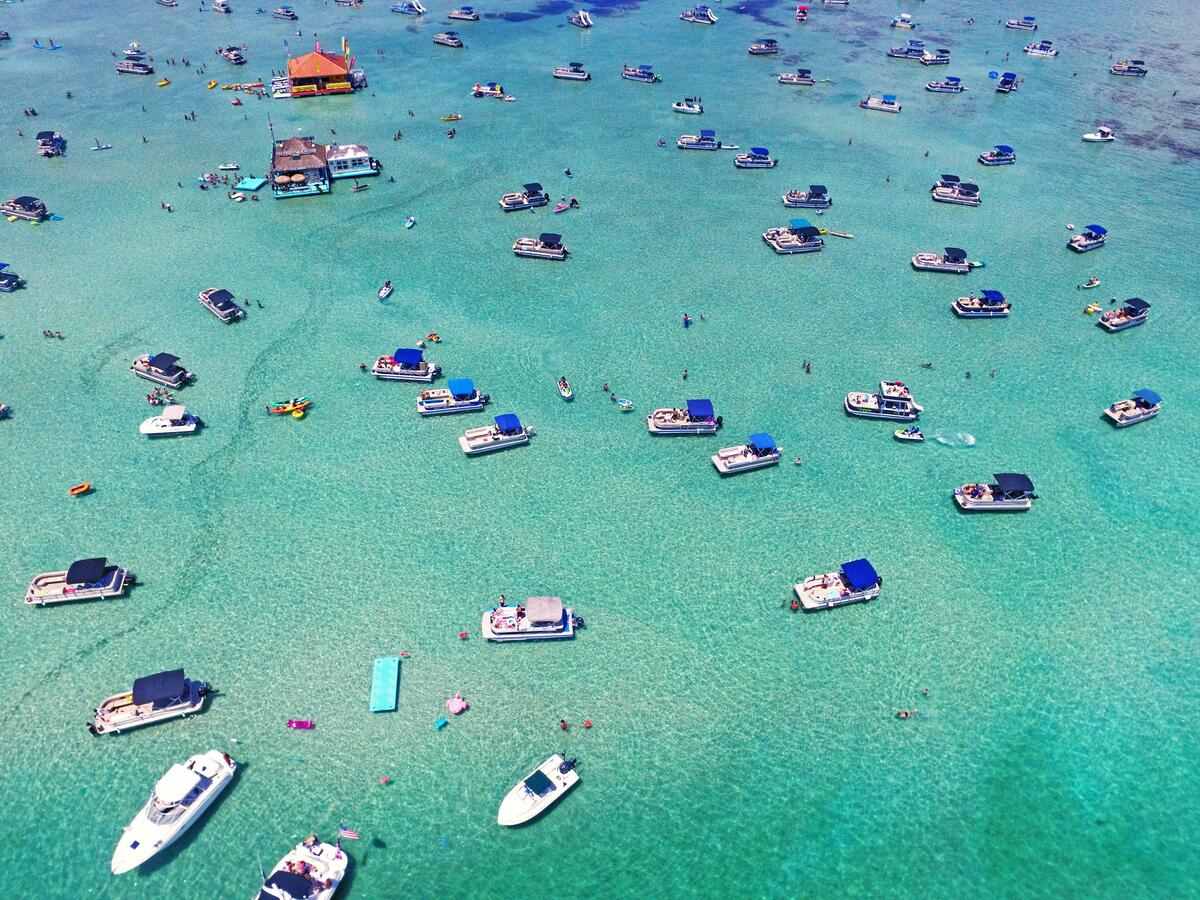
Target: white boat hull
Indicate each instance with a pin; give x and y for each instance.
(520, 806)
(735, 460)
(478, 441)
(566, 632)
(828, 590)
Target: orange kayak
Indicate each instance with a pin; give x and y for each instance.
(290, 406)
(79, 489)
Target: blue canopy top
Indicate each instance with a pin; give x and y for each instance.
(889, 98)
(707, 133)
(799, 223)
(952, 79)
(86, 571)
(1011, 482)
(803, 72)
(1137, 304)
(860, 574)
(508, 424)
(700, 409)
(461, 388)
(993, 296)
(290, 883)
(762, 442)
(645, 68)
(164, 362)
(1028, 18)
(949, 179)
(760, 151)
(1004, 148)
(918, 44)
(1009, 75)
(1095, 229)
(405, 356)
(1148, 395)
(532, 188)
(955, 255)
(160, 688)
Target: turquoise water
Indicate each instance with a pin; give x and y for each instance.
(738, 750)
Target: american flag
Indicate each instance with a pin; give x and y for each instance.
(347, 833)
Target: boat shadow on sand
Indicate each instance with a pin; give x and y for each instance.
(156, 862)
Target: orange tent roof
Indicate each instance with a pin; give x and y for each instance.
(317, 64)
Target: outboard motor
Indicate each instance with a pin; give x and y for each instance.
(577, 621)
(567, 765)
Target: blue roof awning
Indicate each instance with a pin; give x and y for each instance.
(1137, 304)
(952, 79)
(799, 223)
(550, 238)
(1148, 395)
(461, 388)
(86, 571)
(1011, 482)
(707, 132)
(1004, 148)
(860, 574)
(700, 409)
(1095, 229)
(760, 151)
(405, 356)
(163, 688)
(955, 254)
(508, 424)
(889, 98)
(994, 296)
(762, 441)
(645, 68)
(164, 362)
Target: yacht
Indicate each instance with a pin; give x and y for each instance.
(458, 396)
(1143, 405)
(911, 50)
(351, 161)
(406, 364)
(952, 260)
(312, 870)
(284, 12)
(84, 579)
(757, 158)
(816, 197)
(174, 419)
(51, 143)
(688, 106)
(1025, 23)
(763, 47)
(153, 699)
(1041, 48)
(939, 57)
(904, 20)
(545, 246)
(1012, 492)
(178, 800)
(538, 791)
(409, 8)
(705, 140)
(951, 189)
(697, 418)
(1133, 312)
(800, 76)
(134, 67)
(528, 197)
(221, 6)
(9, 281)
(233, 55)
(1002, 155)
(573, 72)
(800, 236)
(1008, 83)
(893, 400)
(580, 18)
(31, 209)
(464, 14)
(448, 39)
(855, 582)
(644, 74)
(886, 103)
(221, 304)
(161, 368)
(537, 619)
(507, 432)
(758, 452)
(988, 305)
(1102, 135)
(1092, 237)
(701, 15)
(951, 84)
(1132, 68)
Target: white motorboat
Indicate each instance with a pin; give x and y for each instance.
(573, 72)
(952, 189)
(1002, 155)
(161, 368)
(538, 791)
(385, 289)
(463, 14)
(1025, 23)
(763, 47)
(448, 39)
(951, 84)
(893, 401)
(705, 140)
(1093, 237)
(228, 167)
(688, 106)
(1133, 312)
(135, 50)
(1130, 68)
(758, 452)
(800, 236)
(286, 13)
(756, 158)
(800, 76)
(644, 74)
(528, 197)
(855, 582)
(167, 2)
(939, 57)
(84, 579)
(153, 699)
(816, 197)
(1011, 492)
(953, 260)
(699, 15)
(178, 800)
(537, 619)
(545, 246)
(904, 20)
(222, 304)
(506, 432)
(886, 103)
(987, 305)
(1041, 48)
(580, 18)
(312, 870)
(696, 418)
(221, 6)
(406, 364)
(174, 419)
(1102, 135)
(1144, 404)
(458, 396)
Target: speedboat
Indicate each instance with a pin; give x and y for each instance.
(1093, 237)
(816, 197)
(700, 15)
(688, 106)
(988, 305)
(911, 50)
(9, 281)
(1102, 135)
(1002, 155)
(855, 582)
(174, 419)
(312, 870)
(221, 303)
(910, 435)
(800, 76)
(538, 791)
(949, 85)
(528, 197)
(1025, 23)
(228, 167)
(506, 432)
(448, 39)
(573, 72)
(705, 140)
(952, 260)
(406, 364)
(1131, 68)
(904, 20)
(84, 579)
(1008, 83)
(763, 47)
(385, 290)
(284, 12)
(458, 396)
(545, 246)
(644, 74)
(886, 103)
(161, 368)
(697, 418)
(1012, 492)
(757, 158)
(951, 189)
(580, 18)
(940, 57)
(1143, 405)
(758, 452)
(1041, 48)
(408, 8)
(221, 6)
(31, 209)
(464, 14)
(1133, 312)
(51, 143)
(134, 50)
(134, 67)
(233, 55)
(537, 619)
(800, 236)
(893, 400)
(178, 800)
(153, 699)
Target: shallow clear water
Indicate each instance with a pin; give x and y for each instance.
(738, 749)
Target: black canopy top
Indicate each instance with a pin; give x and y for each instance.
(161, 687)
(86, 571)
(539, 784)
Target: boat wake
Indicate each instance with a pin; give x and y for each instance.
(954, 438)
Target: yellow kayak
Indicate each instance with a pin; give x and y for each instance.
(164, 82)
(211, 85)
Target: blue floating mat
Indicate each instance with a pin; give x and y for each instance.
(249, 184)
(440, 723)
(385, 683)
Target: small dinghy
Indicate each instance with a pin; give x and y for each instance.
(228, 167)
(625, 404)
(385, 291)
(410, 222)
(909, 435)
(100, 146)
(301, 724)
(1090, 283)
(564, 388)
(562, 207)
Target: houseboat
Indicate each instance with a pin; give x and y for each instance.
(939, 57)
(800, 76)
(1041, 48)
(448, 39)
(952, 259)
(1001, 155)
(538, 791)
(51, 143)
(951, 189)
(463, 14)
(800, 236)
(700, 15)
(409, 8)
(284, 12)
(458, 396)
(546, 246)
(1093, 237)
(528, 197)
(506, 432)
(756, 158)
(1133, 312)
(351, 161)
(705, 140)
(221, 303)
(573, 72)
(173, 420)
(886, 103)
(299, 168)
(816, 197)
(697, 418)
(311, 870)
(763, 47)
(1008, 83)
(84, 579)
(134, 67)
(161, 368)
(537, 619)
(9, 281)
(855, 582)
(1011, 492)
(153, 699)
(644, 74)
(893, 401)
(1025, 23)
(580, 18)
(904, 20)
(949, 85)
(1143, 405)
(689, 106)
(911, 50)
(758, 452)
(406, 364)
(233, 55)
(987, 305)
(1131, 68)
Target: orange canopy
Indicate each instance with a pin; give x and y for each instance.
(317, 64)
